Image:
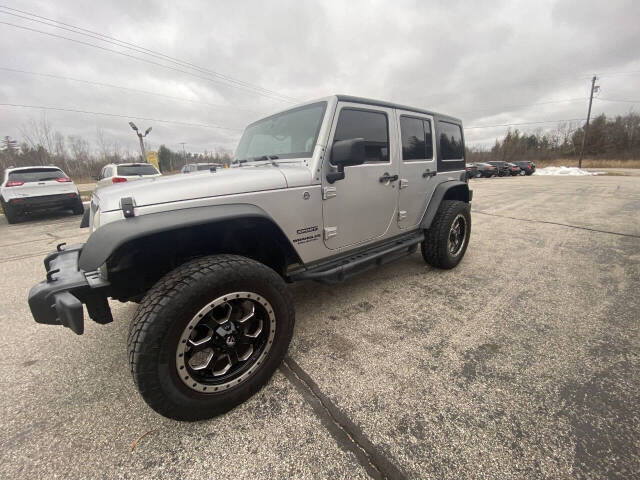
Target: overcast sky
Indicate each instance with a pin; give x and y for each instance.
(487, 62)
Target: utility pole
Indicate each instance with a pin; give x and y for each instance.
(594, 87)
(184, 155)
(140, 137)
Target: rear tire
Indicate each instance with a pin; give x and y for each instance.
(166, 336)
(447, 238)
(10, 213)
(78, 208)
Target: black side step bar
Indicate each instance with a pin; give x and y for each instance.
(339, 270)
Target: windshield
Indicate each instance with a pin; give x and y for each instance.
(141, 169)
(36, 175)
(289, 134)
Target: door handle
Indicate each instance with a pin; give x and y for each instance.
(388, 178)
(429, 173)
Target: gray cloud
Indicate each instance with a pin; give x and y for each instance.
(486, 62)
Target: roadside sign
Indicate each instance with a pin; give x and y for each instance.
(152, 158)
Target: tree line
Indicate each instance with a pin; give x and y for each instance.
(607, 138)
(80, 158)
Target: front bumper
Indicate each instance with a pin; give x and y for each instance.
(58, 299)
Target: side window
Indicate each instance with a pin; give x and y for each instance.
(451, 145)
(108, 172)
(372, 126)
(417, 142)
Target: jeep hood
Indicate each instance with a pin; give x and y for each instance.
(225, 181)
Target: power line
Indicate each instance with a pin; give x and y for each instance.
(567, 100)
(136, 90)
(145, 51)
(135, 58)
(612, 100)
(116, 115)
(526, 123)
(613, 74)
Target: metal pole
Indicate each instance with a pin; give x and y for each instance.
(586, 127)
(184, 155)
(144, 154)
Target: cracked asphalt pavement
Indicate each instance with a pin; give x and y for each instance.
(523, 362)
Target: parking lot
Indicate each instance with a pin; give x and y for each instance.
(523, 362)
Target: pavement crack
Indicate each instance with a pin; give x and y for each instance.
(578, 227)
(348, 435)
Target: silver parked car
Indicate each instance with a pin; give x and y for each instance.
(319, 192)
(126, 172)
(199, 167)
(27, 189)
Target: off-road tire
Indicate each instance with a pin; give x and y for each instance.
(10, 213)
(435, 248)
(78, 208)
(167, 309)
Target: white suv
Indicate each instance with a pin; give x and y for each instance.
(25, 189)
(126, 172)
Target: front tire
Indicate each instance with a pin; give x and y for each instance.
(447, 238)
(209, 335)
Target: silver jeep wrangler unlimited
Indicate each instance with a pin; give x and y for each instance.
(322, 191)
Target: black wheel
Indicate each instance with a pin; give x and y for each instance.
(78, 207)
(446, 240)
(209, 335)
(10, 213)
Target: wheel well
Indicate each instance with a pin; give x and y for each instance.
(138, 264)
(457, 192)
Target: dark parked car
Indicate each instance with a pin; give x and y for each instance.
(503, 168)
(485, 170)
(472, 170)
(514, 169)
(526, 167)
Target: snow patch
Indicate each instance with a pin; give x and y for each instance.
(575, 171)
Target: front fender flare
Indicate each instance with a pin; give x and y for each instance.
(108, 238)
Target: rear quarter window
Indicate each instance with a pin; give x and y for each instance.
(451, 145)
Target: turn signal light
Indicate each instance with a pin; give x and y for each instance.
(118, 179)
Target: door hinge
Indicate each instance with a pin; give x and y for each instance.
(404, 183)
(330, 232)
(329, 192)
(402, 214)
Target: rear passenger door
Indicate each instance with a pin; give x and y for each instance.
(417, 167)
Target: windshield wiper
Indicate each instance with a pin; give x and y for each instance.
(261, 158)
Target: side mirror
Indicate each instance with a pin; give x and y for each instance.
(346, 153)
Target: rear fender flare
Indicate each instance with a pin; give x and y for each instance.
(449, 190)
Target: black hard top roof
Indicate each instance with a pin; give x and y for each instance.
(382, 103)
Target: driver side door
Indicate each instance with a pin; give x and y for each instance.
(361, 207)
